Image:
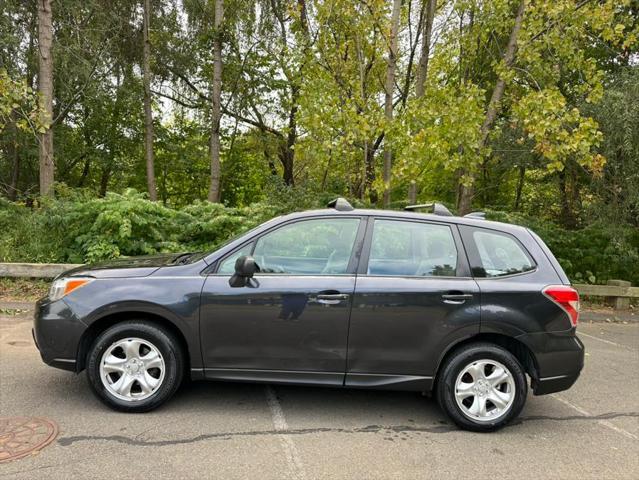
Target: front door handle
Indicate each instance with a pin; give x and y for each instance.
(456, 298)
(331, 298)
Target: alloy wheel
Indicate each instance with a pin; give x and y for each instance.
(132, 369)
(485, 390)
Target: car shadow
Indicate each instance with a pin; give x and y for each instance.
(313, 400)
(308, 409)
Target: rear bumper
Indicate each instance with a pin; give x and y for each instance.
(559, 359)
(543, 386)
(56, 333)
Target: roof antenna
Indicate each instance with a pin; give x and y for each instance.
(340, 204)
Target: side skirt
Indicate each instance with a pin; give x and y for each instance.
(414, 383)
(275, 376)
(411, 383)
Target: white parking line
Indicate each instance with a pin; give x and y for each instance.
(279, 422)
(581, 334)
(605, 423)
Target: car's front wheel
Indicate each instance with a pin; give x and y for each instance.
(482, 387)
(135, 366)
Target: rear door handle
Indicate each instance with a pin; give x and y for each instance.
(456, 298)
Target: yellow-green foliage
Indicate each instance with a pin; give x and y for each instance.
(17, 99)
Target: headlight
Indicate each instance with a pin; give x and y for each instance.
(64, 286)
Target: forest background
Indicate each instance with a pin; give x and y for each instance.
(131, 127)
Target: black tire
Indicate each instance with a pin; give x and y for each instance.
(458, 361)
(162, 339)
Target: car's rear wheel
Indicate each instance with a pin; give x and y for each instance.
(482, 387)
(135, 366)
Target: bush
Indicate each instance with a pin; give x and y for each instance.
(79, 228)
(94, 229)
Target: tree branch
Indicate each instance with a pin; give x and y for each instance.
(177, 100)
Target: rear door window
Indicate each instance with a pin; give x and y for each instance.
(415, 249)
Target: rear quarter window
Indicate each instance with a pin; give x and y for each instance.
(496, 254)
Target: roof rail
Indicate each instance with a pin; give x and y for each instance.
(437, 209)
(340, 204)
(477, 215)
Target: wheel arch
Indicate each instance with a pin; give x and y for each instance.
(521, 352)
(101, 324)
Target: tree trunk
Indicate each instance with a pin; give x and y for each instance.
(269, 160)
(104, 180)
(467, 190)
(520, 187)
(86, 169)
(287, 143)
(45, 87)
(388, 99)
(363, 184)
(148, 113)
(328, 167)
(286, 155)
(569, 195)
(369, 161)
(370, 174)
(301, 5)
(85, 172)
(287, 150)
(14, 154)
(164, 192)
(412, 193)
(216, 93)
(15, 175)
(567, 214)
(422, 69)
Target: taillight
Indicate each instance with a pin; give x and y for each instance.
(567, 298)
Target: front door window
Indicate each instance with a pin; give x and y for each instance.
(310, 247)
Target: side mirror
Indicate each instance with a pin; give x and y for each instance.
(245, 268)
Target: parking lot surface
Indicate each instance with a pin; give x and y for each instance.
(226, 430)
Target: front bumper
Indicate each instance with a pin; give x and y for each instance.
(559, 359)
(57, 332)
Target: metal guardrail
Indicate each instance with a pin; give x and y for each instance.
(618, 292)
(34, 270)
(607, 291)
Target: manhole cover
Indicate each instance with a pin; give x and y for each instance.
(21, 436)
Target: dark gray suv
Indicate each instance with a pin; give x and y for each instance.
(458, 306)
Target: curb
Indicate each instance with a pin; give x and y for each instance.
(612, 317)
(17, 305)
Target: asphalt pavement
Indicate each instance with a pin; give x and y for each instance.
(226, 430)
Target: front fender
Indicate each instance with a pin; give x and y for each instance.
(176, 300)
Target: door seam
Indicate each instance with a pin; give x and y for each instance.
(352, 302)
